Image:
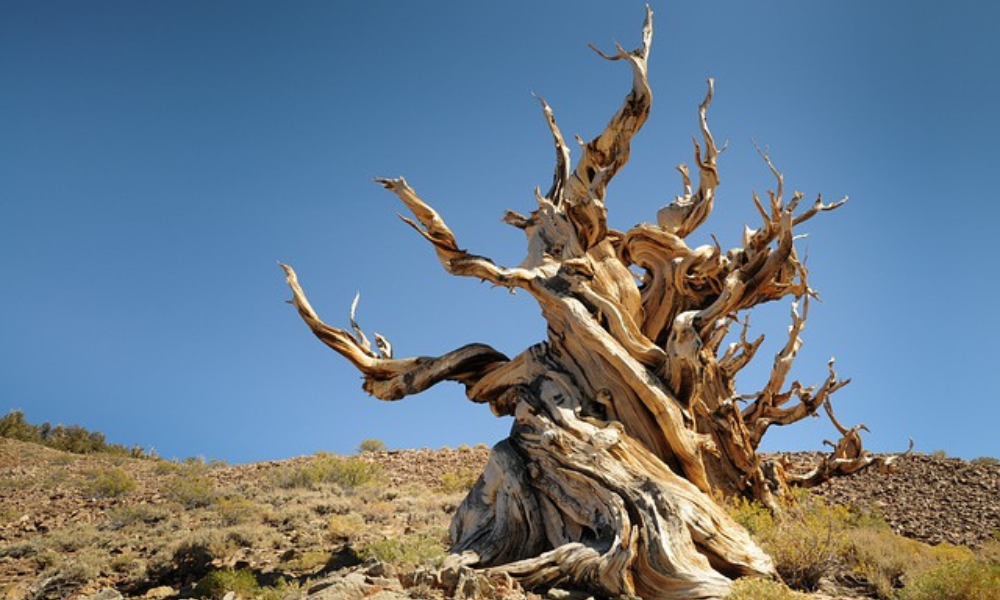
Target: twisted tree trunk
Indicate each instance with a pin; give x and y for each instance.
(627, 424)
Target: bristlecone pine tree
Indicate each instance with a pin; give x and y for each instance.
(628, 428)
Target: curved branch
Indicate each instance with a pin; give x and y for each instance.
(455, 260)
(607, 153)
(783, 361)
(687, 212)
(838, 463)
(391, 378)
(810, 399)
(562, 170)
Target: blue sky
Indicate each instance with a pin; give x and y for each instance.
(157, 159)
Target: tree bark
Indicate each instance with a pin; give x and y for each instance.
(627, 425)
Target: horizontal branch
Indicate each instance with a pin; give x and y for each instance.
(838, 464)
(395, 378)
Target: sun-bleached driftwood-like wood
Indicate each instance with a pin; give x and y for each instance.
(627, 424)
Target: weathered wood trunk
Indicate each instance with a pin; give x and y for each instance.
(627, 424)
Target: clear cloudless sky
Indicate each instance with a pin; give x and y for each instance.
(158, 158)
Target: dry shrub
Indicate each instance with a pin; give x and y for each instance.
(75, 537)
(380, 511)
(752, 588)
(167, 467)
(234, 510)
(192, 558)
(990, 551)
(970, 579)
(21, 549)
(246, 536)
(813, 541)
(67, 576)
(887, 562)
(123, 516)
(344, 528)
(198, 554)
(334, 506)
(348, 472)
(217, 584)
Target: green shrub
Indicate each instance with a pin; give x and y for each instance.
(75, 537)
(235, 510)
(344, 528)
(969, 579)
(886, 561)
(14, 426)
(372, 445)
(72, 438)
(753, 516)
(458, 481)
(216, 584)
(806, 543)
(990, 551)
(282, 590)
(21, 549)
(309, 561)
(192, 558)
(410, 550)
(349, 473)
(192, 492)
(813, 540)
(123, 516)
(110, 483)
(752, 588)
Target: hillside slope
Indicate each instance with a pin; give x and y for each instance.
(73, 525)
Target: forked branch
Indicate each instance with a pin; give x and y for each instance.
(688, 211)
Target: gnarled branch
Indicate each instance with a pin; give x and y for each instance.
(390, 378)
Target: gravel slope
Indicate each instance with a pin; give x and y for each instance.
(933, 500)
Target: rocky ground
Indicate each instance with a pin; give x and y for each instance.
(106, 527)
(931, 499)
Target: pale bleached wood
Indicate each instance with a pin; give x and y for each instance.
(628, 429)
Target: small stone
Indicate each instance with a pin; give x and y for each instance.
(160, 592)
(384, 582)
(380, 569)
